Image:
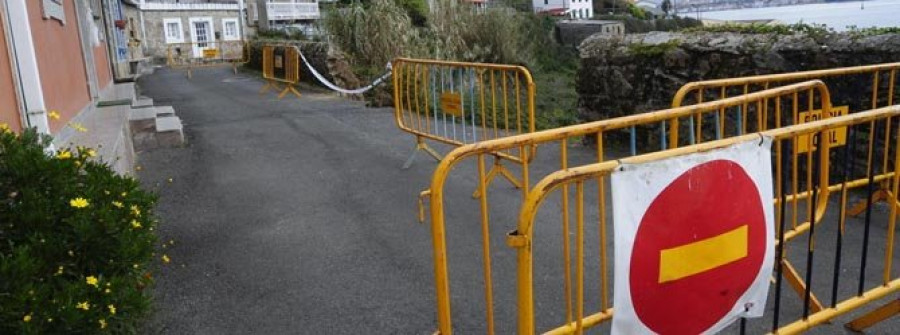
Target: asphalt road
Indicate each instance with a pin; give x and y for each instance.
(294, 217)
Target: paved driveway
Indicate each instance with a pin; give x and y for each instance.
(293, 217)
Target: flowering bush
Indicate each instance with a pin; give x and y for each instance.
(76, 241)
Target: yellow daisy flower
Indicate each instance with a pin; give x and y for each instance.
(27, 318)
(79, 202)
(117, 204)
(135, 210)
(165, 259)
(135, 224)
(91, 280)
(102, 324)
(83, 305)
(112, 309)
(64, 154)
(90, 153)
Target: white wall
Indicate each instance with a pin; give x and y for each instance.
(580, 9)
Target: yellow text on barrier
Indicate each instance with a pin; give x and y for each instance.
(837, 137)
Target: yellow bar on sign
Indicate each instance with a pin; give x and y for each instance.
(690, 259)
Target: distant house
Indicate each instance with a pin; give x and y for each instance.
(274, 14)
(153, 27)
(576, 9)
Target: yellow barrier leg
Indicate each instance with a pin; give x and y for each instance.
(870, 319)
(288, 88)
(269, 84)
(422, 196)
(499, 169)
(421, 145)
(859, 208)
(793, 278)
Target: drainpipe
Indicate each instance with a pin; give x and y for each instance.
(143, 28)
(241, 18)
(35, 112)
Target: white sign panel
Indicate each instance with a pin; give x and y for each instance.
(694, 240)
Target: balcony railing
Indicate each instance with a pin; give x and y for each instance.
(281, 11)
(231, 5)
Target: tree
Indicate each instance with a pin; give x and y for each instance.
(666, 5)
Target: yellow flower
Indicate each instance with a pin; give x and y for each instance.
(54, 115)
(4, 127)
(135, 224)
(135, 210)
(117, 204)
(83, 305)
(91, 280)
(112, 309)
(124, 194)
(64, 154)
(107, 291)
(79, 202)
(90, 153)
(165, 259)
(27, 318)
(102, 324)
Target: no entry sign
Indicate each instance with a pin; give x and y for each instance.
(693, 240)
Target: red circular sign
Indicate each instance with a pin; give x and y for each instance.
(677, 285)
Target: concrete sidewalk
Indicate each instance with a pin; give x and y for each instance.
(294, 217)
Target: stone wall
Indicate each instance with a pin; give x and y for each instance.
(638, 73)
(573, 32)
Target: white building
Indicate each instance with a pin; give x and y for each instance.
(270, 14)
(576, 9)
(155, 26)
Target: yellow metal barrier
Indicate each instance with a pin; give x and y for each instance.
(806, 96)
(281, 64)
(460, 103)
(785, 139)
(879, 90)
(210, 54)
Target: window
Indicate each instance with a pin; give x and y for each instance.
(230, 30)
(173, 31)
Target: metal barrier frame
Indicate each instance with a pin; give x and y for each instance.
(561, 134)
(291, 65)
(401, 75)
(521, 238)
(245, 57)
(876, 70)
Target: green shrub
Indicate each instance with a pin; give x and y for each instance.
(76, 241)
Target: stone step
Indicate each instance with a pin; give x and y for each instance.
(169, 132)
(142, 102)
